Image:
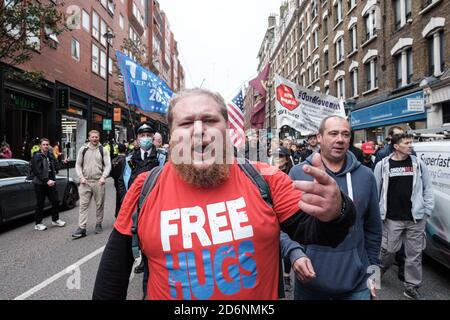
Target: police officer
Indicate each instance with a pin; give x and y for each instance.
(142, 159)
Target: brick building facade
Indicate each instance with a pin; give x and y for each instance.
(387, 59)
(75, 63)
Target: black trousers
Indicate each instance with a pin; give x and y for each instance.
(43, 191)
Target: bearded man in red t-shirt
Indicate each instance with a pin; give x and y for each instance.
(204, 228)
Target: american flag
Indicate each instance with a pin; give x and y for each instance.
(236, 120)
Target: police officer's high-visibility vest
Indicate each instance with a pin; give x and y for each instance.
(35, 149)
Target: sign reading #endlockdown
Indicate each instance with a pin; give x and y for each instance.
(301, 108)
(142, 88)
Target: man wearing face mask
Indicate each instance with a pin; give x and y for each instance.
(140, 160)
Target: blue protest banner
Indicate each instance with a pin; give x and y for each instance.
(142, 88)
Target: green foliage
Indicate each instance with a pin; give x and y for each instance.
(21, 25)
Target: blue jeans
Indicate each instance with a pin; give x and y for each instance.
(302, 294)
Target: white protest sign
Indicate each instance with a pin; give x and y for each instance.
(303, 109)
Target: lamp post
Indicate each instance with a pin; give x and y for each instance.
(109, 36)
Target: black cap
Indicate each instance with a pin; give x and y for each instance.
(144, 127)
(283, 152)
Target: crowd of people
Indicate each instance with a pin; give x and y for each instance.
(214, 228)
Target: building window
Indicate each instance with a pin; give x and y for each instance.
(402, 10)
(102, 64)
(340, 85)
(85, 21)
(301, 28)
(302, 55)
(338, 11)
(436, 59)
(95, 58)
(75, 50)
(339, 49)
(316, 38)
(403, 68)
(103, 29)
(370, 24)
(316, 69)
(351, 4)
(371, 74)
(121, 22)
(95, 25)
(353, 38)
(308, 46)
(354, 81)
(325, 61)
(325, 27)
(310, 76)
(313, 9)
(303, 80)
(110, 66)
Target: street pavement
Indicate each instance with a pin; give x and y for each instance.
(50, 265)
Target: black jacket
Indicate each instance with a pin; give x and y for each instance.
(40, 167)
(137, 166)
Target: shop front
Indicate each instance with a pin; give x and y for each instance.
(372, 123)
(74, 131)
(26, 120)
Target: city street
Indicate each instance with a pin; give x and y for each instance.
(50, 265)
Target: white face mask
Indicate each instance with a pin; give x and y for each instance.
(146, 143)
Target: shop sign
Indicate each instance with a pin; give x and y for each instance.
(63, 98)
(107, 124)
(402, 109)
(22, 102)
(117, 114)
(74, 110)
(416, 105)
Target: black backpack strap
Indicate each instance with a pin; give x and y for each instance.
(147, 187)
(100, 148)
(258, 180)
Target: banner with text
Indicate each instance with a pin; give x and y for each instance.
(303, 109)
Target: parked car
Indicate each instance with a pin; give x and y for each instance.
(17, 196)
(436, 156)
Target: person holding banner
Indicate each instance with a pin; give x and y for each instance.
(204, 211)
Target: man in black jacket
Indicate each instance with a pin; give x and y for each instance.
(140, 160)
(44, 168)
(117, 165)
(205, 214)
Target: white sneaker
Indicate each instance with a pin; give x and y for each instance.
(59, 223)
(40, 227)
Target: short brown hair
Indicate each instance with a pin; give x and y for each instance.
(42, 140)
(397, 138)
(391, 130)
(93, 131)
(324, 120)
(196, 91)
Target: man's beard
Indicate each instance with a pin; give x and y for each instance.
(211, 176)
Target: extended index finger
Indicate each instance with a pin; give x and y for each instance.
(320, 175)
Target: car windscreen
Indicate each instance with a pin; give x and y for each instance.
(8, 170)
(22, 168)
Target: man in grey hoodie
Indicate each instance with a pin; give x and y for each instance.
(406, 201)
(339, 273)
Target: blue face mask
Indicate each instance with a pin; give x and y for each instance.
(146, 143)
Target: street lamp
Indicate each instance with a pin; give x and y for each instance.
(109, 36)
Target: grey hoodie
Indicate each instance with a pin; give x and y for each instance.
(422, 197)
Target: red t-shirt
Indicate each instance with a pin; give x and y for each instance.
(217, 243)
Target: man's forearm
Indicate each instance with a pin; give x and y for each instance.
(115, 268)
(306, 229)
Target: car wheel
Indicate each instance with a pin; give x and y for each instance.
(70, 196)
